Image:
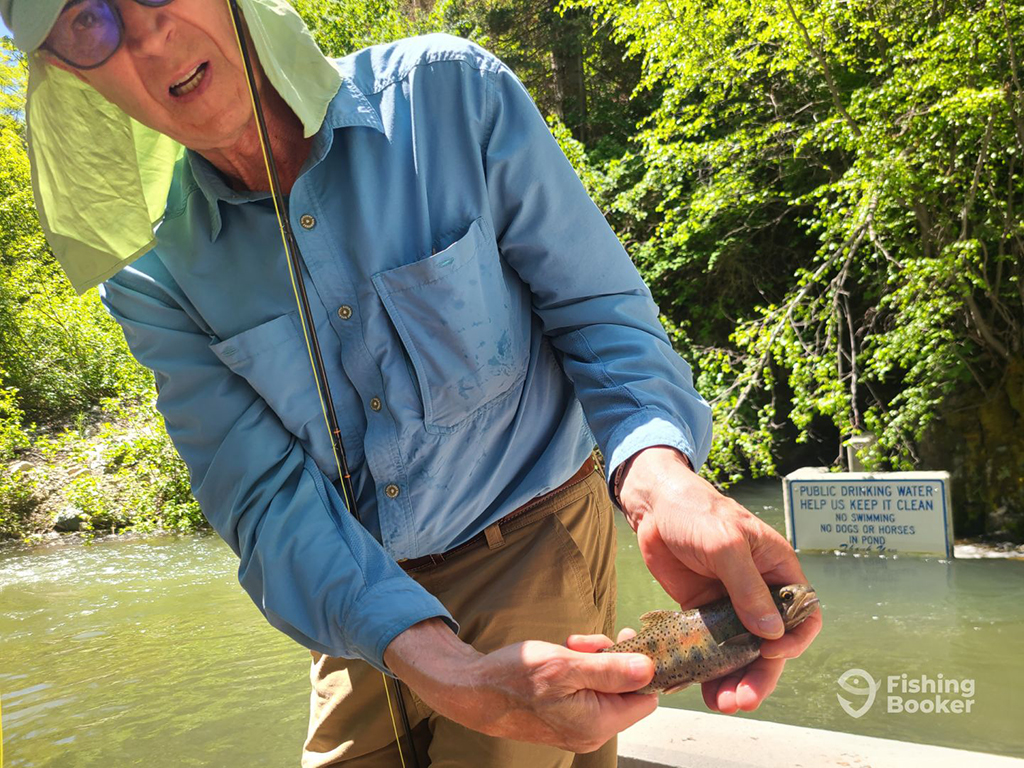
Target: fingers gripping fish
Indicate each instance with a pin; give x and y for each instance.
(709, 641)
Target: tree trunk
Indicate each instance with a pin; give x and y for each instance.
(567, 69)
(980, 440)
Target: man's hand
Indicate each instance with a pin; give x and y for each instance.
(532, 691)
(694, 540)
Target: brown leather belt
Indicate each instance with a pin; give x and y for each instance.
(494, 530)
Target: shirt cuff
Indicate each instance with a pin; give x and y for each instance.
(646, 429)
(387, 609)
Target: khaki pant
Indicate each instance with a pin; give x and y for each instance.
(553, 576)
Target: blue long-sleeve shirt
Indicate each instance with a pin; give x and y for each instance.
(480, 323)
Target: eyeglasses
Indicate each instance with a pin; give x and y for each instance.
(88, 32)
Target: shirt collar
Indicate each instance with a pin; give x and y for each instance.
(348, 108)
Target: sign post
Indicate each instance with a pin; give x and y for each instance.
(884, 512)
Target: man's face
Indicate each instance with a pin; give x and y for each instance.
(147, 76)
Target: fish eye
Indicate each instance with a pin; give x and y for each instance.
(786, 594)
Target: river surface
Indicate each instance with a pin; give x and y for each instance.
(147, 652)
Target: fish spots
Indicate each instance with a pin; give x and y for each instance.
(686, 647)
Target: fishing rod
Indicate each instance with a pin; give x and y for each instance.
(291, 248)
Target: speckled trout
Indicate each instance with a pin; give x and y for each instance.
(707, 642)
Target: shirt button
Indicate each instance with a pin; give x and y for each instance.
(344, 311)
(392, 491)
(307, 221)
(375, 403)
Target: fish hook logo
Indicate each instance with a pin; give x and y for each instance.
(868, 690)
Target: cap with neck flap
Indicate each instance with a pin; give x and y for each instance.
(101, 178)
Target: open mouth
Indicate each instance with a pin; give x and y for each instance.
(190, 82)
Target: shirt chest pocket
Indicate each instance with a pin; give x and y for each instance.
(461, 317)
(274, 359)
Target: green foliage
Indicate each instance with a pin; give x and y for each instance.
(153, 481)
(140, 482)
(18, 502)
(568, 62)
(826, 203)
(12, 433)
(825, 199)
(13, 78)
(17, 489)
(343, 26)
(63, 360)
(62, 352)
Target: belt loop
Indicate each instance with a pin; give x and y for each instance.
(494, 538)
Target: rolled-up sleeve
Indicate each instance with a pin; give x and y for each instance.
(635, 390)
(310, 567)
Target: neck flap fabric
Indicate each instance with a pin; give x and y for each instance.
(99, 177)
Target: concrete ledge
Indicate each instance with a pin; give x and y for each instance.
(679, 737)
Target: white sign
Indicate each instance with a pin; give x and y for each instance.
(891, 512)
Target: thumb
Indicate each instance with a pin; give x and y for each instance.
(612, 672)
(749, 594)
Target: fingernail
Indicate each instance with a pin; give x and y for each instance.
(771, 624)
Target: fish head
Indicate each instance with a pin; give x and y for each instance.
(795, 602)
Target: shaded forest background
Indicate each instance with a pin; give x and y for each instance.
(825, 199)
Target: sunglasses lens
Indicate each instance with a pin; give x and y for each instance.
(86, 33)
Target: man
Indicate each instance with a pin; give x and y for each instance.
(480, 326)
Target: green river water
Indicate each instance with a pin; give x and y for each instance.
(145, 651)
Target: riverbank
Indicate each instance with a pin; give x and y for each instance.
(1004, 550)
(674, 737)
(113, 470)
(56, 517)
(966, 549)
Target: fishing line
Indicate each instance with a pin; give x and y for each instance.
(394, 725)
(323, 388)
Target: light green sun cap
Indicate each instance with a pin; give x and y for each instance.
(99, 177)
(30, 20)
